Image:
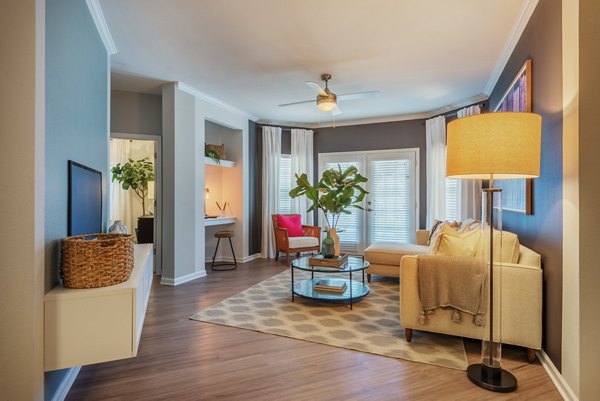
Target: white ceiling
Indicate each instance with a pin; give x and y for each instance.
(422, 55)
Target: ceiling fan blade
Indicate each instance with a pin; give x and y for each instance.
(336, 111)
(294, 103)
(358, 95)
(317, 88)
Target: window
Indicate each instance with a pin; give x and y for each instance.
(451, 198)
(389, 186)
(285, 184)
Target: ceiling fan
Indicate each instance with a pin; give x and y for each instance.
(327, 100)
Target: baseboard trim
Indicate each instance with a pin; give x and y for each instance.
(182, 279)
(559, 381)
(65, 384)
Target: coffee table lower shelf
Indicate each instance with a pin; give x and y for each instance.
(355, 290)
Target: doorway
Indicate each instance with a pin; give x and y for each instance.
(392, 205)
(142, 217)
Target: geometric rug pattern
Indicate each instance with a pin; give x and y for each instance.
(372, 325)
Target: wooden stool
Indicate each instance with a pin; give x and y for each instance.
(228, 235)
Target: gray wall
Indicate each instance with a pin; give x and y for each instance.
(392, 135)
(137, 113)
(76, 120)
(542, 42)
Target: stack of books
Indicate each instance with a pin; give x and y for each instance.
(331, 286)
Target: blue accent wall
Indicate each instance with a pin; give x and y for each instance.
(76, 122)
(542, 231)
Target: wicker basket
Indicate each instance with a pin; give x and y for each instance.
(90, 263)
(220, 149)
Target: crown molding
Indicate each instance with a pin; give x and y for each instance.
(517, 30)
(207, 98)
(101, 26)
(376, 120)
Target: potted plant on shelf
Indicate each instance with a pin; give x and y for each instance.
(336, 192)
(135, 175)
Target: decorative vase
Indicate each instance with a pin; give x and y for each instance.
(336, 241)
(328, 246)
(118, 228)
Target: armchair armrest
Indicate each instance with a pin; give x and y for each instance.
(422, 237)
(281, 238)
(312, 231)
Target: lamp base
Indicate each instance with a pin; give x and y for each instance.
(493, 379)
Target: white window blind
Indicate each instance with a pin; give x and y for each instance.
(451, 188)
(349, 224)
(390, 200)
(285, 184)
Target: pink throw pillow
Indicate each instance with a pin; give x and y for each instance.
(293, 223)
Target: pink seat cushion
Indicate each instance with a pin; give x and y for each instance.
(292, 222)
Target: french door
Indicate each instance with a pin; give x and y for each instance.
(392, 203)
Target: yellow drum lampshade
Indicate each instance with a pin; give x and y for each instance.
(494, 145)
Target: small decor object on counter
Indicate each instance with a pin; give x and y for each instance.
(118, 228)
(332, 286)
(97, 260)
(215, 152)
(222, 210)
(323, 261)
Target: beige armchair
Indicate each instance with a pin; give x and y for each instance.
(521, 304)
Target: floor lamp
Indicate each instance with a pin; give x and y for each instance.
(493, 146)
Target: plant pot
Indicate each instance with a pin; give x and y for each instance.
(328, 246)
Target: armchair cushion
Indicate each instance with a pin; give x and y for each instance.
(302, 242)
(292, 222)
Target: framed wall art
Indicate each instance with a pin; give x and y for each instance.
(516, 194)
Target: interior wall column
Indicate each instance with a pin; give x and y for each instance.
(22, 100)
(589, 198)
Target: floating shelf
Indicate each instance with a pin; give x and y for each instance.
(224, 163)
(217, 221)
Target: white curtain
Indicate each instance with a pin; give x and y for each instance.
(435, 133)
(302, 162)
(271, 148)
(468, 192)
(121, 206)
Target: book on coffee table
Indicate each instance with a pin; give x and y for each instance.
(320, 260)
(331, 286)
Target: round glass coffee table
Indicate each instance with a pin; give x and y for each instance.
(354, 291)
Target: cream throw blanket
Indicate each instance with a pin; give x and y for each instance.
(452, 281)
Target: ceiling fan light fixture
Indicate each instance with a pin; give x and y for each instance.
(327, 103)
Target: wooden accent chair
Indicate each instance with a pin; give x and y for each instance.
(311, 241)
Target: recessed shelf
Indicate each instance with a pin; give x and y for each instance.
(217, 221)
(223, 163)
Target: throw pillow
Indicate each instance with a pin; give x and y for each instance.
(451, 243)
(434, 227)
(292, 222)
(510, 247)
(435, 239)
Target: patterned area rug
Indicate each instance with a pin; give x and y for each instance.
(371, 326)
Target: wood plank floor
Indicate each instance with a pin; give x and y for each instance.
(181, 359)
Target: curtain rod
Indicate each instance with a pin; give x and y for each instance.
(454, 112)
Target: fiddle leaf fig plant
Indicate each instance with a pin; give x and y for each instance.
(336, 192)
(135, 175)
